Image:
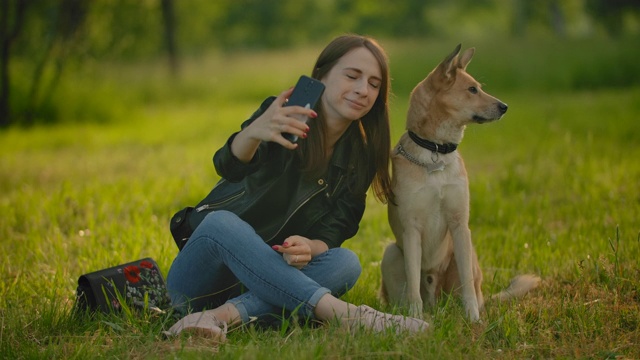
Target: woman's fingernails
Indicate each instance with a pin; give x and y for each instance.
(285, 244)
(314, 114)
(275, 247)
(304, 135)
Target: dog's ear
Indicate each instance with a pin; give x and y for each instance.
(448, 62)
(465, 58)
(446, 71)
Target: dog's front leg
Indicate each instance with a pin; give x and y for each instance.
(412, 262)
(462, 250)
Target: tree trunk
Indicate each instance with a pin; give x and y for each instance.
(519, 18)
(557, 19)
(168, 14)
(8, 34)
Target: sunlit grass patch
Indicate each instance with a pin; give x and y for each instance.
(555, 191)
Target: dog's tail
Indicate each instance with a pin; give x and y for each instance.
(519, 286)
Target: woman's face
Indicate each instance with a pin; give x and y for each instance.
(352, 86)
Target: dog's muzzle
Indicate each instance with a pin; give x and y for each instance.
(500, 109)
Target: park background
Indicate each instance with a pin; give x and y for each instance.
(110, 112)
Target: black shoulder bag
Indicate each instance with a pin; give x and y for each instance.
(138, 284)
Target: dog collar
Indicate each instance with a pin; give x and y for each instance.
(442, 149)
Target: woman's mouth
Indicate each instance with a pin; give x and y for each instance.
(356, 105)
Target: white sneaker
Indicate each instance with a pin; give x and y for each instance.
(379, 321)
(202, 324)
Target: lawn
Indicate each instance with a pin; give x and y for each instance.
(555, 190)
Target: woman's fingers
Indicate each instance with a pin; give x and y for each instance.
(291, 256)
(296, 252)
(279, 120)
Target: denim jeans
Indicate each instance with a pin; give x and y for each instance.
(226, 260)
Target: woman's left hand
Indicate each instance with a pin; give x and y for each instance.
(296, 251)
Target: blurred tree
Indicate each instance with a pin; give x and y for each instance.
(8, 34)
(610, 13)
(548, 13)
(264, 24)
(42, 38)
(126, 29)
(52, 30)
(64, 24)
(557, 18)
(387, 17)
(414, 22)
(169, 17)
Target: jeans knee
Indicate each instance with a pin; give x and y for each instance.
(224, 222)
(225, 227)
(221, 217)
(350, 264)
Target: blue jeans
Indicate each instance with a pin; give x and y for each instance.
(226, 260)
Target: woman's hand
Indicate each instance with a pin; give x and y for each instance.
(270, 126)
(297, 250)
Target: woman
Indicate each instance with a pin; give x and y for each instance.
(287, 207)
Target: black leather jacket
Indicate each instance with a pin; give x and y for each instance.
(271, 194)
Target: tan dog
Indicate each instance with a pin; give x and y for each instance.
(429, 216)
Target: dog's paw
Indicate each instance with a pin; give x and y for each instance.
(474, 315)
(415, 310)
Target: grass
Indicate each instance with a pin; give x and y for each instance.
(555, 190)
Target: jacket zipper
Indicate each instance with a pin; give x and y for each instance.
(298, 208)
(335, 188)
(214, 205)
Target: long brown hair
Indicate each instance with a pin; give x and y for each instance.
(373, 140)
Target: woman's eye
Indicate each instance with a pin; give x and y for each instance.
(374, 85)
(352, 77)
(473, 90)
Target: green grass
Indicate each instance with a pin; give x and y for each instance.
(555, 190)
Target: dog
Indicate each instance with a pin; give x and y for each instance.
(429, 212)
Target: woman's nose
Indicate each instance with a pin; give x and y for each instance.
(362, 87)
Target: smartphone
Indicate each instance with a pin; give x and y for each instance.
(306, 93)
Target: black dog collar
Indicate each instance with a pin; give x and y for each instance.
(442, 149)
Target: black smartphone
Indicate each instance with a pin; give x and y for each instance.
(306, 93)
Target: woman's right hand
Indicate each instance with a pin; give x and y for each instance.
(270, 126)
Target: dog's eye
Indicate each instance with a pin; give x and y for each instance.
(473, 90)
